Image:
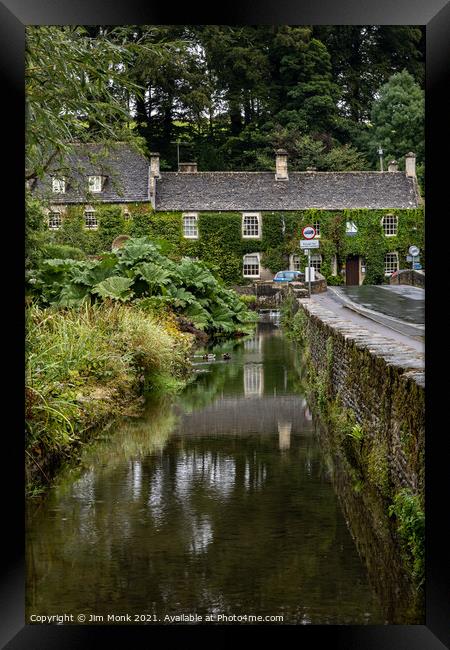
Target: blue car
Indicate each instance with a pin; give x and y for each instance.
(288, 276)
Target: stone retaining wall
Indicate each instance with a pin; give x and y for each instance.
(413, 278)
(382, 382)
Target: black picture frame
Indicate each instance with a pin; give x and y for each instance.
(15, 15)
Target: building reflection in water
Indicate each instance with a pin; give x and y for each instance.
(284, 435)
(253, 379)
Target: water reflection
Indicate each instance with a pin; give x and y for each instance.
(253, 379)
(284, 435)
(219, 502)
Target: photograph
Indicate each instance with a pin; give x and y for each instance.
(226, 415)
(225, 286)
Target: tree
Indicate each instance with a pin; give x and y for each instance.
(75, 91)
(398, 118)
(363, 57)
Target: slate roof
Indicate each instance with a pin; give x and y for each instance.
(244, 191)
(126, 170)
(127, 173)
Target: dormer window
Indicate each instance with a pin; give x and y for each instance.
(95, 183)
(58, 185)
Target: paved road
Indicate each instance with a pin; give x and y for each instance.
(332, 301)
(396, 301)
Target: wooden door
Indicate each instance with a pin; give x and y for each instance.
(352, 270)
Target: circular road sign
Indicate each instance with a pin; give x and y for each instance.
(308, 232)
(413, 251)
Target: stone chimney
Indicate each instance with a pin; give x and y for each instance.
(281, 173)
(187, 167)
(154, 165)
(392, 166)
(410, 164)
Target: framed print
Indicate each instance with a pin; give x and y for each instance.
(226, 224)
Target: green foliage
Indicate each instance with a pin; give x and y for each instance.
(62, 252)
(356, 433)
(344, 158)
(228, 94)
(248, 300)
(36, 232)
(378, 468)
(410, 519)
(115, 288)
(334, 280)
(74, 96)
(221, 247)
(83, 365)
(398, 117)
(139, 271)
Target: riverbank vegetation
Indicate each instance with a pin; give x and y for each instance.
(102, 331)
(87, 365)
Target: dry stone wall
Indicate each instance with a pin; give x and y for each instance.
(382, 382)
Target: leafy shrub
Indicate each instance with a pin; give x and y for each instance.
(139, 271)
(411, 527)
(80, 364)
(334, 280)
(62, 252)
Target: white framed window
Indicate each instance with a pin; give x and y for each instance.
(390, 263)
(58, 185)
(95, 183)
(316, 261)
(295, 263)
(251, 225)
(54, 220)
(90, 219)
(390, 225)
(316, 226)
(190, 225)
(351, 228)
(250, 267)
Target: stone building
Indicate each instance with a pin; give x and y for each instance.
(371, 210)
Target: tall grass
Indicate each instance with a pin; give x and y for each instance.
(84, 365)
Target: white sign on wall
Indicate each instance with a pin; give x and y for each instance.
(309, 243)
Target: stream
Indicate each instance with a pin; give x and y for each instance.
(218, 502)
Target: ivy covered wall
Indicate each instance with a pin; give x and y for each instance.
(221, 245)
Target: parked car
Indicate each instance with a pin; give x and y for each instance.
(289, 276)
